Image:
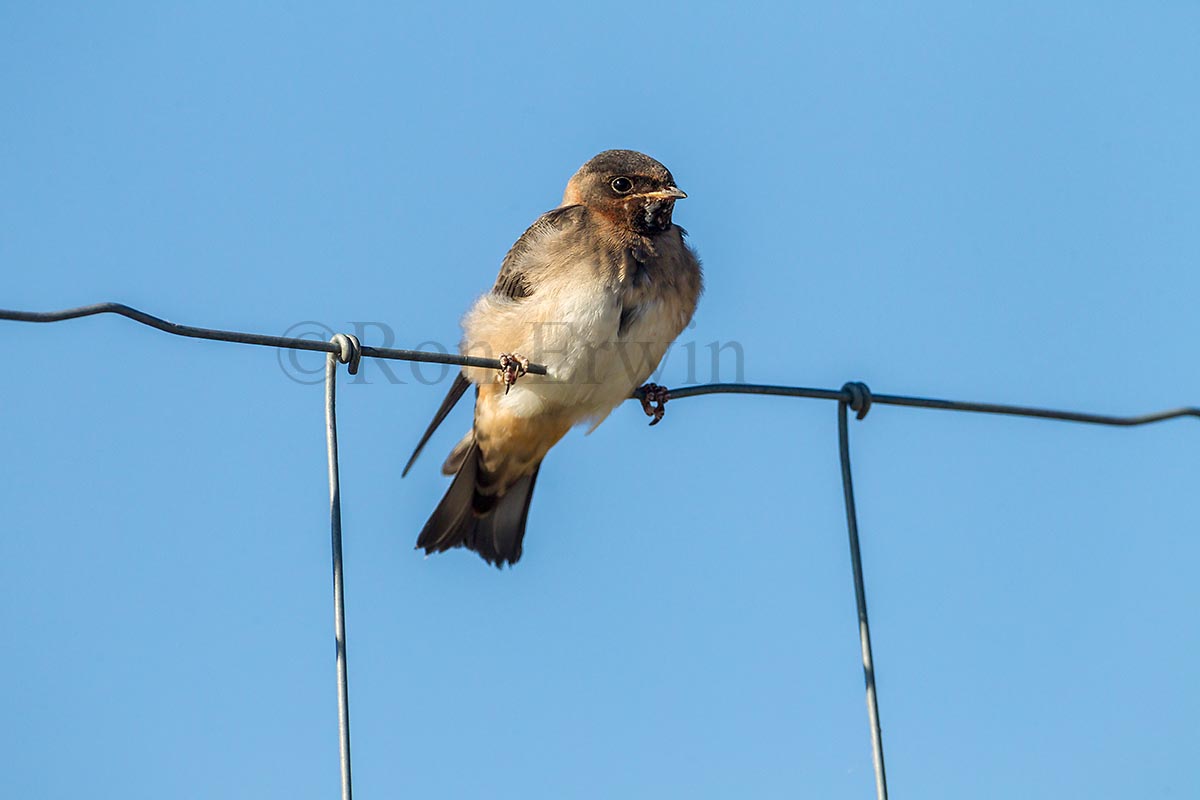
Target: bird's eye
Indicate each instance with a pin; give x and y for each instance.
(622, 185)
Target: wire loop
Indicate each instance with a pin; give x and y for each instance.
(349, 350)
(860, 397)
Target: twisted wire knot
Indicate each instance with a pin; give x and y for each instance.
(860, 398)
(349, 350)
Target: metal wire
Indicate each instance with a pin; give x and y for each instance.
(539, 369)
(349, 352)
(861, 402)
(252, 338)
(854, 396)
(927, 402)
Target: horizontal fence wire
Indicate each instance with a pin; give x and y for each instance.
(539, 369)
(852, 396)
(929, 402)
(253, 338)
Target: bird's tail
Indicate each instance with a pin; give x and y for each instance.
(473, 514)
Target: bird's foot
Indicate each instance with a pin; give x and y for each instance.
(512, 366)
(654, 401)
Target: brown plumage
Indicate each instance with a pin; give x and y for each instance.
(596, 290)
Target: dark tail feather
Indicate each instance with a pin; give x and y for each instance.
(457, 390)
(495, 534)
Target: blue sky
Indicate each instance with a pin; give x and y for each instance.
(976, 203)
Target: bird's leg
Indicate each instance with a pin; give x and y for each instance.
(654, 401)
(512, 366)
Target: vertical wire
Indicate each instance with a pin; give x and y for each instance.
(860, 597)
(339, 604)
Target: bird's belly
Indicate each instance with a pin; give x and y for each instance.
(573, 331)
(592, 369)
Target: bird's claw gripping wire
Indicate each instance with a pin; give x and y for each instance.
(349, 351)
(512, 366)
(654, 401)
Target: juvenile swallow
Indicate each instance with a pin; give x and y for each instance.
(596, 289)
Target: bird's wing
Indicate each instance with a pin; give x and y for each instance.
(518, 272)
(516, 280)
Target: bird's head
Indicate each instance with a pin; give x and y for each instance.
(630, 189)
